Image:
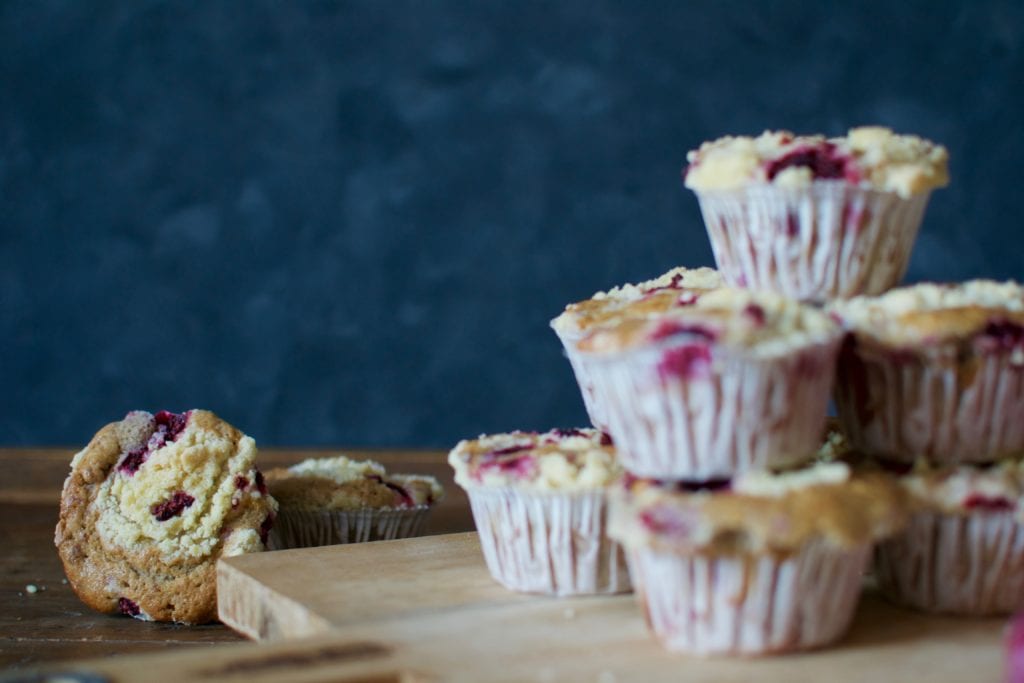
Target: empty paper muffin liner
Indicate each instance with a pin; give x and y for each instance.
(828, 240)
(548, 542)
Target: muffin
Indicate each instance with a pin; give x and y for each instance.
(934, 371)
(963, 550)
(735, 381)
(538, 501)
(815, 218)
(677, 287)
(149, 507)
(326, 501)
(764, 563)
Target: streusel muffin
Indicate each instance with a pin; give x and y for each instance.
(677, 287)
(151, 504)
(325, 501)
(538, 501)
(815, 218)
(764, 563)
(737, 380)
(934, 371)
(963, 550)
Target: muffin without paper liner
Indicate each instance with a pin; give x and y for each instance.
(935, 372)
(149, 507)
(327, 501)
(766, 563)
(539, 504)
(815, 218)
(735, 381)
(677, 287)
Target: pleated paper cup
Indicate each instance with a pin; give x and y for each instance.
(581, 370)
(828, 240)
(971, 564)
(551, 543)
(748, 412)
(931, 403)
(312, 528)
(748, 604)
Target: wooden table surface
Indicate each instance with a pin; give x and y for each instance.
(51, 624)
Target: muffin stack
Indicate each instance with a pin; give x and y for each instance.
(740, 537)
(931, 385)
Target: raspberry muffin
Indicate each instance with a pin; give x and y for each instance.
(677, 287)
(935, 372)
(811, 217)
(764, 563)
(151, 504)
(735, 381)
(963, 551)
(538, 501)
(326, 501)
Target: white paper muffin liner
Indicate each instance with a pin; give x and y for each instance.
(929, 405)
(956, 564)
(553, 543)
(581, 369)
(828, 240)
(752, 605)
(749, 413)
(313, 528)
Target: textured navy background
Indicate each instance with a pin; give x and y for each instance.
(350, 222)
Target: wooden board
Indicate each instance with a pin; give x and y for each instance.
(426, 610)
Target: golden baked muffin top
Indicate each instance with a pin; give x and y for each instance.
(964, 489)
(677, 286)
(760, 511)
(557, 460)
(929, 313)
(763, 323)
(340, 483)
(872, 157)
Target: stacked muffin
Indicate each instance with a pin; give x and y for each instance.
(931, 385)
(740, 537)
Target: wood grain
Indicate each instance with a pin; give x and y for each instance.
(424, 610)
(53, 625)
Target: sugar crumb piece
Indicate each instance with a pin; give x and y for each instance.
(31, 589)
(64, 581)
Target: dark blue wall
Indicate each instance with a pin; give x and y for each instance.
(349, 223)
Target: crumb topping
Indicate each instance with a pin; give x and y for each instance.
(678, 286)
(928, 313)
(340, 483)
(761, 322)
(178, 495)
(564, 460)
(871, 157)
(963, 489)
(760, 511)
